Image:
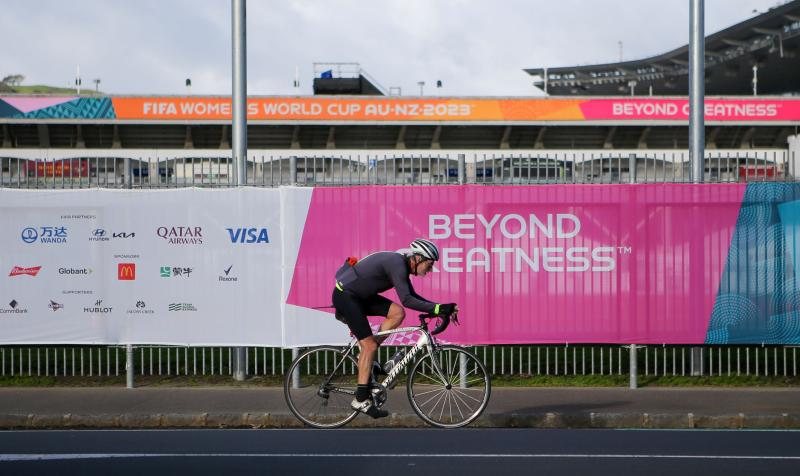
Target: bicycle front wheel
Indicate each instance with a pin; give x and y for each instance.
(453, 393)
(319, 386)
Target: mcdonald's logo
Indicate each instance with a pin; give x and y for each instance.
(126, 271)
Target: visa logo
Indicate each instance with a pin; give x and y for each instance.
(248, 235)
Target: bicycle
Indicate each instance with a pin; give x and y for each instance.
(447, 386)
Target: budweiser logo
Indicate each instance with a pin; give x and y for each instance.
(18, 270)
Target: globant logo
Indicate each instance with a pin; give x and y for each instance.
(228, 277)
(248, 235)
(75, 271)
(98, 308)
(13, 308)
(141, 309)
(181, 307)
(19, 271)
(99, 234)
(55, 306)
(45, 234)
(181, 235)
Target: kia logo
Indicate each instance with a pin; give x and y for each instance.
(99, 232)
(29, 235)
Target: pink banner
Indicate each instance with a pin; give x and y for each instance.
(526, 264)
(678, 109)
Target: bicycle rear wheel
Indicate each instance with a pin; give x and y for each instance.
(454, 397)
(325, 385)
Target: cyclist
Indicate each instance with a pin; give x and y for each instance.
(357, 295)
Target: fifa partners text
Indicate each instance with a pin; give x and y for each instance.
(511, 228)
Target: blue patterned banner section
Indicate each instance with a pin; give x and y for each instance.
(759, 293)
(56, 108)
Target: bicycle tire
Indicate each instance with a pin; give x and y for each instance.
(306, 401)
(463, 397)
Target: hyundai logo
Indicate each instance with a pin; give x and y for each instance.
(99, 232)
(29, 235)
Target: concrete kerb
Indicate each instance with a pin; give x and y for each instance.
(395, 420)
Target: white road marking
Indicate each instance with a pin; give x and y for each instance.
(75, 456)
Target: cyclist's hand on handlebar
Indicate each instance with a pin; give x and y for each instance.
(447, 309)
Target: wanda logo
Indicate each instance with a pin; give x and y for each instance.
(19, 271)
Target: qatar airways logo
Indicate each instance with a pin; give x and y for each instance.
(517, 251)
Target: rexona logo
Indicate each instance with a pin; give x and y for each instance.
(55, 306)
(99, 234)
(126, 271)
(44, 234)
(228, 277)
(13, 308)
(181, 307)
(19, 271)
(248, 235)
(75, 271)
(141, 309)
(181, 235)
(98, 308)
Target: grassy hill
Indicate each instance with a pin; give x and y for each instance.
(40, 89)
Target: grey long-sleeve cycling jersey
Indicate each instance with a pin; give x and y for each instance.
(380, 272)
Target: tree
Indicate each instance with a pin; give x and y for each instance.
(13, 79)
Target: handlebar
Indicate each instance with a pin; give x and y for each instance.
(441, 324)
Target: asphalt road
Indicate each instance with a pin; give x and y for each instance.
(400, 451)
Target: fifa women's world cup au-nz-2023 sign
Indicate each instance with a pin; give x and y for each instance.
(651, 263)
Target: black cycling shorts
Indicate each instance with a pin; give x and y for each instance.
(353, 311)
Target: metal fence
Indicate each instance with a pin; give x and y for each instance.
(528, 360)
(157, 169)
(68, 168)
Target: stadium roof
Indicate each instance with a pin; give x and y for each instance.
(770, 41)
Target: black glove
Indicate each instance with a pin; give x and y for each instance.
(446, 309)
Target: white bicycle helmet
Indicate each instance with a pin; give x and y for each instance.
(425, 248)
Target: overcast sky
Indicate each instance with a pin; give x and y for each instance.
(476, 48)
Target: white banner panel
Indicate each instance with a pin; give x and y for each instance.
(181, 267)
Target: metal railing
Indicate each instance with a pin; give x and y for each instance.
(516, 360)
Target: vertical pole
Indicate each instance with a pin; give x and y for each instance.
(239, 127)
(296, 373)
(696, 113)
(462, 169)
(293, 170)
(129, 365)
(462, 369)
(633, 361)
(696, 89)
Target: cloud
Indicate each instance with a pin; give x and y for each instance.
(475, 48)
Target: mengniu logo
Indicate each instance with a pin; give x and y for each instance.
(181, 235)
(19, 271)
(13, 308)
(99, 234)
(181, 307)
(44, 234)
(98, 308)
(248, 235)
(175, 271)
(55, 306)
(126, 271)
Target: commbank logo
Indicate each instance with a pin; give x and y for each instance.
(248, 235)
(44, 234)
(13, 308)
(126, 271)
(19, 271)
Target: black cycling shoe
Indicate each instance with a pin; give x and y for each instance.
(368, 408)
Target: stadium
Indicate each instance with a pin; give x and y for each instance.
(604, 123)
